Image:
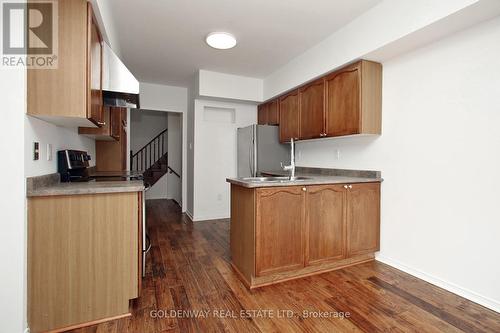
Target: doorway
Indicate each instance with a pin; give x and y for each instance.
(156, 151)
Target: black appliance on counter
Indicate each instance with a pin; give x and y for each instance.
(72, 165)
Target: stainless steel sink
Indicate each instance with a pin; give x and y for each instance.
(274, 179)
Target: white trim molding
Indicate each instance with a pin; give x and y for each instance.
(204, 218)
(451, 287)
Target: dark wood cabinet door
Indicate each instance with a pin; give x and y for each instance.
(363, 218)
(289, 116)
(325, 223)
(273, 117)
(116, 122)
(279, 230)
(262, 114)
(123, 137)
(312, 110)
(343, 102)
(95, 53)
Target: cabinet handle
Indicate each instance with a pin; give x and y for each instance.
(345, 186)
(350, 186)
(101, 123)
(304, 189)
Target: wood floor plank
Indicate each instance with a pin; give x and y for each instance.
(188, 268)
(434, 310)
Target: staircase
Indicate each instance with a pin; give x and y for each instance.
(152, 159)
(156, 171)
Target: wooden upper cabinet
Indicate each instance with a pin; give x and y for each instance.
(268, 113)
(111, 155)
(312, 107)
(353, 103)
(262, 114)
(273, 116)
(111, 130)
(289, 116)
(325, 217)
(363, 219)
(343, 102)
(279, 229)
(71, 94)
(116, 119)
(95, 49)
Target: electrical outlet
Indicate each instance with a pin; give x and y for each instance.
(337, 154)
(36, 151)
(219, 197)
(49, 152)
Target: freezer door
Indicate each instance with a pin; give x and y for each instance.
(270, 152)
(246, 151)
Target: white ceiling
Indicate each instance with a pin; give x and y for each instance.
(163, 41)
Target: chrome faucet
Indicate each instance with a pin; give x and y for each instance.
(291, 167)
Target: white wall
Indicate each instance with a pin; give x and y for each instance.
(162, 97)
(159, 189)
(439, 154)
(174, 99)
(60, 138)
(221, 85)
(189, 170)
(376, 33)
(174, 183)
(144, 126)
(12, 210)
(215, 155)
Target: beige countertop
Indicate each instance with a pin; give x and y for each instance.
(49, 185)
(314, 177)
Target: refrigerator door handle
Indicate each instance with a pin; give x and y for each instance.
(251, 152)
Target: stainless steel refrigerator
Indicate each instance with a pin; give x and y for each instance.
(259, 150)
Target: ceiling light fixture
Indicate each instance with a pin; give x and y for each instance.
(221, 40)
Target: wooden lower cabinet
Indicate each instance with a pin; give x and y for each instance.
(325, 223)
(279, 230)
(363, 219)
(283, 233)
(83, 259)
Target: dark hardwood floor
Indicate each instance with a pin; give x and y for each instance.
(188, 269)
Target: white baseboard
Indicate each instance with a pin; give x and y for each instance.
(188, 213)
(451, 287)
(208, 218)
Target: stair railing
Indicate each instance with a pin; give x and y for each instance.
(148, 155)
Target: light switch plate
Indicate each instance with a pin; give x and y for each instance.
(36, 151)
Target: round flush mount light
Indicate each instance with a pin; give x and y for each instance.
(221, 40)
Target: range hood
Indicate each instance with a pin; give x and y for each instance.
(120, 87)
(119, 99)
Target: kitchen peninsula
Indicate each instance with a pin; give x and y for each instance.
(283, 229)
